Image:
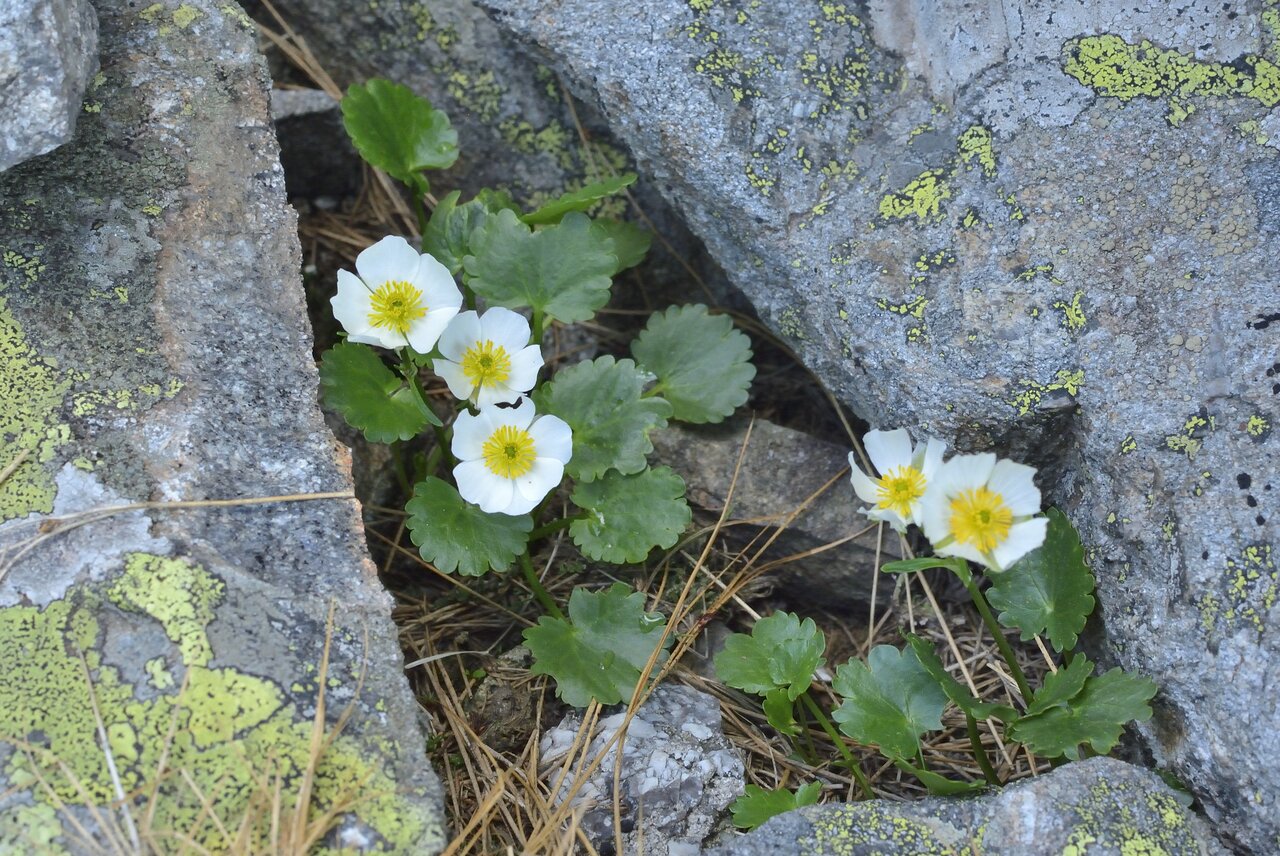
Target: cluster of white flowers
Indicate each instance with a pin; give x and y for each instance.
(973, 506)
(509, 457)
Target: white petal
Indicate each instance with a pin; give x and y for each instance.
(1023, 538)
(438, 287)
(506, 328)
(480, 487)
(931, 460)
(351, 304)
(935, 514)
(461, 333)
(525, 365)
(497, 393)
(965, 472)
(453, 375)
(539, 481)
(424, 332)
(469, 435)
(863, 486)
(519, 416)
(964, 551)
(552, 438)
(888, 449)
(1016, 485)
(370, 338)
(887, 515)
(390, 259)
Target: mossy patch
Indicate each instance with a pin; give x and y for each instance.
(228, 729)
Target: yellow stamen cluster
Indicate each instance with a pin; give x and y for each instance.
(396, 305)
(509, 452)
(485, 363)
(980, 519)
(900, 487)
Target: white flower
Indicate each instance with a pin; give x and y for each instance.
(905, 475)
(401, 297)
(982, 509)
(487, 358)
(510, 457)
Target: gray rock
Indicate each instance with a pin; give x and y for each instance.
(1057, 241)
(48, 54)
(1100, 806)
(154, 348)
(679, 773)
(781, 470)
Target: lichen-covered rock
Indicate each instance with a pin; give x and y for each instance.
(679, 773)
(1100, 807)
(48, 53)
(780, 485)
(1047, 231)
(154, 348)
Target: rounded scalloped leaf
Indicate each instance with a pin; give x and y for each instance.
(454, 535)
(782, 652)
(702, 363)
(889, 701)
(627, 516)
(371, 398)
(397, 130)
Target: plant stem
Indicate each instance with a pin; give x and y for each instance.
(539, 322)
(397, 458)
(539, 591)
(1002, 643)
(854, 766)
(554, 526)
(419, 210)
(975, 740)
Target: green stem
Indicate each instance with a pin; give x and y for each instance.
(418, 191)
(1002, 643)
(653, 390)
(539, 591)
(854, 766)
(397, 458)
(434, 457)
(975, 740)
(538, 324)
(554, 526)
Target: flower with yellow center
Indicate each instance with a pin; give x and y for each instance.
(983, 510)
(397, 297)
(905, 473)
(509, 457)
(487, 358)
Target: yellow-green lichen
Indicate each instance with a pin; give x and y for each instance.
(1128, 445)
(32, 390)
(30, 266)
(1258, 426)
(1032, 392)
(1118, 69)
(228, 730)
(977, 148)
(1252, 130)
(184, 16)
(1252, 585)
(1191, 436)
(1073, 317)
(869, 827)
(922, 198)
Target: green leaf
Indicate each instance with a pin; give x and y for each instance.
(782, 652)
(957, 566)
(602, 401)
(630, 242)
(448, 234)
(1060, 687)
(371, 397)
(703, 364)
(1049, 589)
(599, 652)
(398, 131)
(454, 535)
(563, 270)
(888, 701)
(1096, 716)
(941, 786)
(757, 805)
(627, 516)
(956, 691)
(780, 711)
(579, 200)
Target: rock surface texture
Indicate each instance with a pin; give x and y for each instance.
(1101, 806)
(48, 54)
(154, 348)
(679, 773)
(1044, 230)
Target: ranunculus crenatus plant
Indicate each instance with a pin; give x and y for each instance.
(523, 452)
